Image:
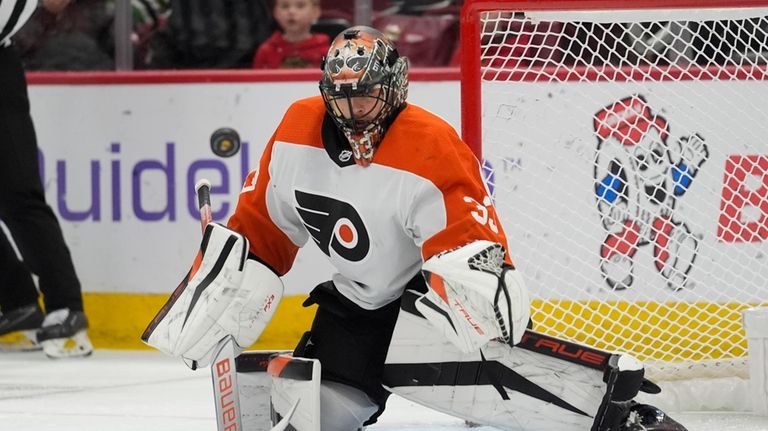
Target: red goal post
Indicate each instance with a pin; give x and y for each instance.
(626, 146)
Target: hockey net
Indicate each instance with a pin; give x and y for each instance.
(627, 153)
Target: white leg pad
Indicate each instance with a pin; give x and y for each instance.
(254, 385)
(344, 408)
(295, 381)
(540, 393)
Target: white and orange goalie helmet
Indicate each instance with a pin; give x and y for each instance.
(364, 85)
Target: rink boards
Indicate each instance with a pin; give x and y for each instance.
(120, 164)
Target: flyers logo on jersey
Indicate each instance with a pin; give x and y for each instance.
(334, 225)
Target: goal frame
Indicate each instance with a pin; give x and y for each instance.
(470, 29)
(474, 77)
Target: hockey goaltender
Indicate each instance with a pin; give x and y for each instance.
(426, 302)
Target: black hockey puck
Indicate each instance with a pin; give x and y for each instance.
(225, 142)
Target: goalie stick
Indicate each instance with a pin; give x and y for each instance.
(226, 393)
(203, 191)
(224, 366)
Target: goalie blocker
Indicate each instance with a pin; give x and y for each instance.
(224, 294)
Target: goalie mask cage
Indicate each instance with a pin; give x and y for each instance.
(626, 147)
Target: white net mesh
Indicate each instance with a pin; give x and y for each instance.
(628, 159)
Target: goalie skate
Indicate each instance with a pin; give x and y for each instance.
(18, 329)
(644, 417)
(64, 335)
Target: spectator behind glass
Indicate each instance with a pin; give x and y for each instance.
(78, 37)
(209, 34)
(510, 41)
(150, 17)
(295, 46)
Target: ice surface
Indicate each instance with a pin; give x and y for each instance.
(146, 391)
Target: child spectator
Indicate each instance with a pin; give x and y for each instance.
(295, 46)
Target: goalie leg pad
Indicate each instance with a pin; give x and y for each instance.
(344, 407)
(295, 392)
(318, 406)
(519, 388)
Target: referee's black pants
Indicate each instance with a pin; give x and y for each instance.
(23, 209)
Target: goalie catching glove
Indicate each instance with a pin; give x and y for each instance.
(474, 296)
(224, 293)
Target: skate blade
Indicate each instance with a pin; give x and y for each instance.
(78, 345)
(19, 341)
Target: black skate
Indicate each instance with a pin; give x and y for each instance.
(644, 417)
(18, 328)
(624, 377)
(64, 334)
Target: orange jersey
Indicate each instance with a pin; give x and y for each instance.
(422, 195)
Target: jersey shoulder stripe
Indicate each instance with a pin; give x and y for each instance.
(302, 123)
(422, 143)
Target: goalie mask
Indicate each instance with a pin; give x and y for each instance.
(364, 85)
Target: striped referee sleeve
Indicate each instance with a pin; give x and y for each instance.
(13, 15)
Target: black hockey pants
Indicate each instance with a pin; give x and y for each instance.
(23, 209)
